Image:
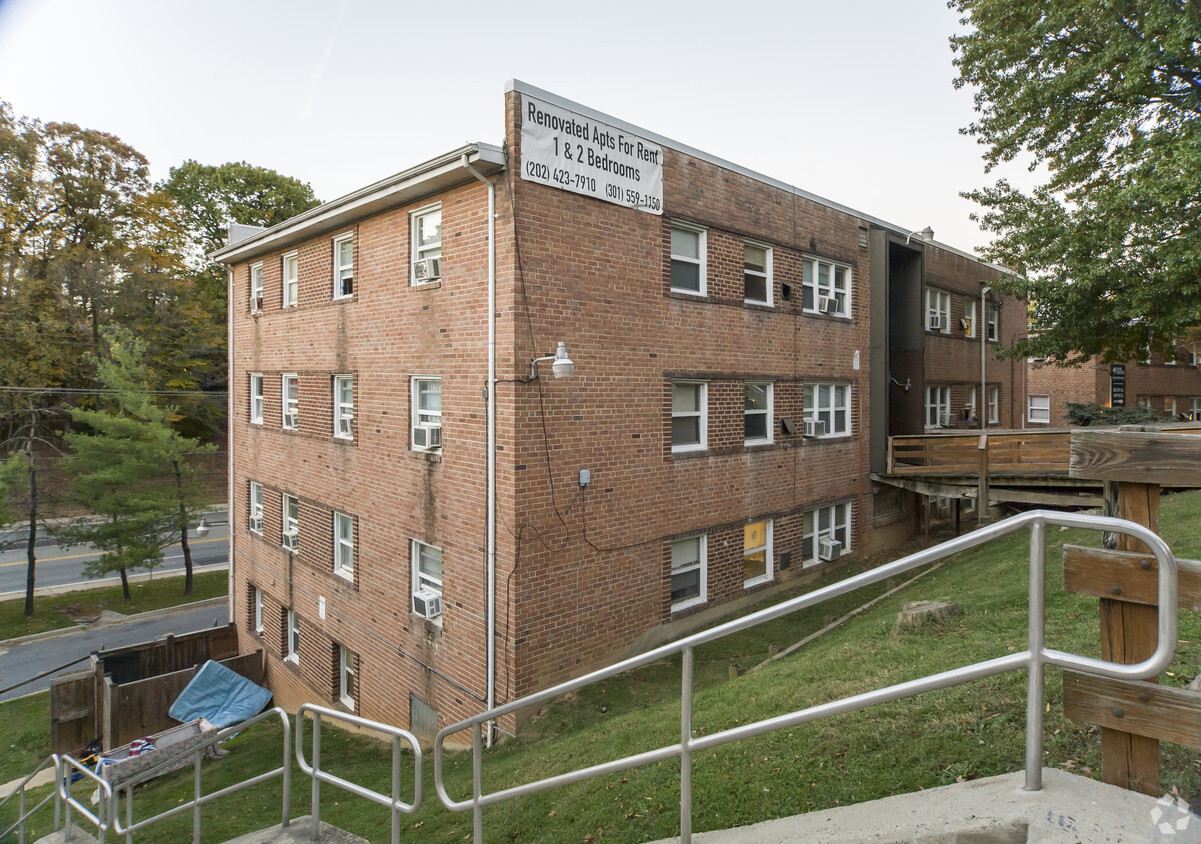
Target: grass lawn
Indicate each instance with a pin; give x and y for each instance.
(937, 738)
(52, 612)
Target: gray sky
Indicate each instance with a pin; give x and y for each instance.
(849, 99)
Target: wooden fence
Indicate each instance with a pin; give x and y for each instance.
(1014, 453)
(171, 653)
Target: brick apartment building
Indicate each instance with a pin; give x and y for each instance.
(1167, 386)
(742, 350)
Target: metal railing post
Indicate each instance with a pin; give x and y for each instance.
(58, 798)
(65, 784)
(1036, 644)
(395, 789)
(686, 748)
(128, 814)
(477, 785)
(196, 796)
(316, 775)
(21, 815)
(286, 810)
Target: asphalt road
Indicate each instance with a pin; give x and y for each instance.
(57, 566)
(21, 662)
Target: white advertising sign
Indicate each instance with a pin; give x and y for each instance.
(566, 150)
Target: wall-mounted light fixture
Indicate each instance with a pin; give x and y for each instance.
(926, 234)
(904, 386)
(561, 364)
(202, 529)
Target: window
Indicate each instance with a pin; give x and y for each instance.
(828, 404)
(291, 274)
(427, 568)
(348, 669)
(256, 288)
(994, 322)
(344, 545)
(1169, 405)
(687, 259)
(1144, 402)
(258, 610)
(290, 395)
(831, 523)
(292, 652)
(1038, 410)
(688, 576)
(256, 507)
(426, 413)
(291, 522)
(994, 405)
(756, 553)
(689, 427)
(757, 274)
(256, 398)
(938, 407)
(1191, 355)
(971, 404)
(938, 310)
(827, 287)
(1195, 412)
(344, 406)
(969, 318)
(343, 265)
(426, 226)
(757, 413)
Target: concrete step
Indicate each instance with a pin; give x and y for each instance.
(299, 831)
(78, 836)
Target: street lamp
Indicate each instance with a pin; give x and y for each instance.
(562, 366)
(202, 529)
(926, 234)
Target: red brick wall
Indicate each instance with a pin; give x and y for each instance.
(1158, 382)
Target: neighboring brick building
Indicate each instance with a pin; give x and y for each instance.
(740, 360)
(1167, 387)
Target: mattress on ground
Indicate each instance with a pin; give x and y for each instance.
(219, 695)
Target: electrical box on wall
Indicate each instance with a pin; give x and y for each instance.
(585, 477)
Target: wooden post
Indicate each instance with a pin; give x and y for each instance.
(958, 507)
(982, 481)
(1128, 635)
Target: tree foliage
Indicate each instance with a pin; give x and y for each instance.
(1105, 97)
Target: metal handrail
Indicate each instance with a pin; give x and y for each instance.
(199, 799)
(1033, 659)
(319, 776)
(68, 765)
(19, 793)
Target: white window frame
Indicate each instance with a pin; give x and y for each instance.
(700, 565)
(1144, 402)
(769, 569)
(290, 275)
(420, 580)
(256, 507)
(1038, 409)
(347, 671)
(938, 399)
(1169, 405)
(293, 638)
(767, 412)
(290, 525)
(286, 401)
(258, 611)
(994, 323)
(812, 533)
(813, 408)
(423, 418)
(971, 403)
(701, 413)
(765, 274)
(1196, 409)
(256, 398)
(430, 250)
(938, 304)
(256, 287)
(969, 314)
(343, 410)
(344, 545)
(994, 405)
(700, 261)
(813, 288)
(343, 272)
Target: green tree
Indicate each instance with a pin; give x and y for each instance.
(19, 494)
(1105, 97)
(129, 469)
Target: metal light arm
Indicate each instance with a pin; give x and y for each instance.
(561, 364)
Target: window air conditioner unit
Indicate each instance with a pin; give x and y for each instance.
(427, 604)
(815, 428)
(291, 420)
(427, 437)
(256, 305)
(946, 420)
(936, 323)
(256, 524)
(345, 424)
(827, 304)
(964, 325)
(829, 549)
(427, 269)
(291, 541)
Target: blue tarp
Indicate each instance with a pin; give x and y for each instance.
(219, 695)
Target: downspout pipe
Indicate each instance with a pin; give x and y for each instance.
(983, 357)
(490, 449)
(229, 442)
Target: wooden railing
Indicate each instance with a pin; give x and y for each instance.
(997, 453)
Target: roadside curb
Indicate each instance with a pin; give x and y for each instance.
(220, 600)
(84, 585)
